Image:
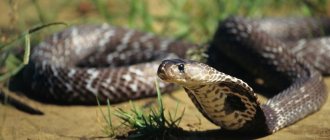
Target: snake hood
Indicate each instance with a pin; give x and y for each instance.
(224, 100)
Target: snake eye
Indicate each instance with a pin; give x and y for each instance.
(181, 68)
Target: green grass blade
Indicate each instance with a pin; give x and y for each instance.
(40, 13)
(27, 49)
(11, 73)
(30, 31)
(159, 97)
(101, 6)
(99, 106)
(110, 118)
(147, 18)
(132, 13)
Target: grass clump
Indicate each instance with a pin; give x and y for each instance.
(151, 123)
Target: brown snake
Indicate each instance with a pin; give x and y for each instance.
(79, 63)
(231, 103)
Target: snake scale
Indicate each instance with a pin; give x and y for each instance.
(79, 63)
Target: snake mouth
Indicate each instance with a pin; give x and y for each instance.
(161, 72)
(162, 76)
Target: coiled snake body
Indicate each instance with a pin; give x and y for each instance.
(82, 62)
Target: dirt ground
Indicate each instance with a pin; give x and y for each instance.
(86, 122)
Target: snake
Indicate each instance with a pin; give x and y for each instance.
(281, 52)
(85, 63)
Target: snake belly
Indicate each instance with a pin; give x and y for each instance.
(283, 63)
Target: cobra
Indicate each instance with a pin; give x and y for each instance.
(87, 61)
(230, 102)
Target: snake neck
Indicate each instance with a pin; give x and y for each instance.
(230, 104)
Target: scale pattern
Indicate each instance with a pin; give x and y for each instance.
(82, 62)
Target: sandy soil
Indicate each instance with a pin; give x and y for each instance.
(86, 122)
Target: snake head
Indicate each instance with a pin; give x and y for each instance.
(186, 73)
